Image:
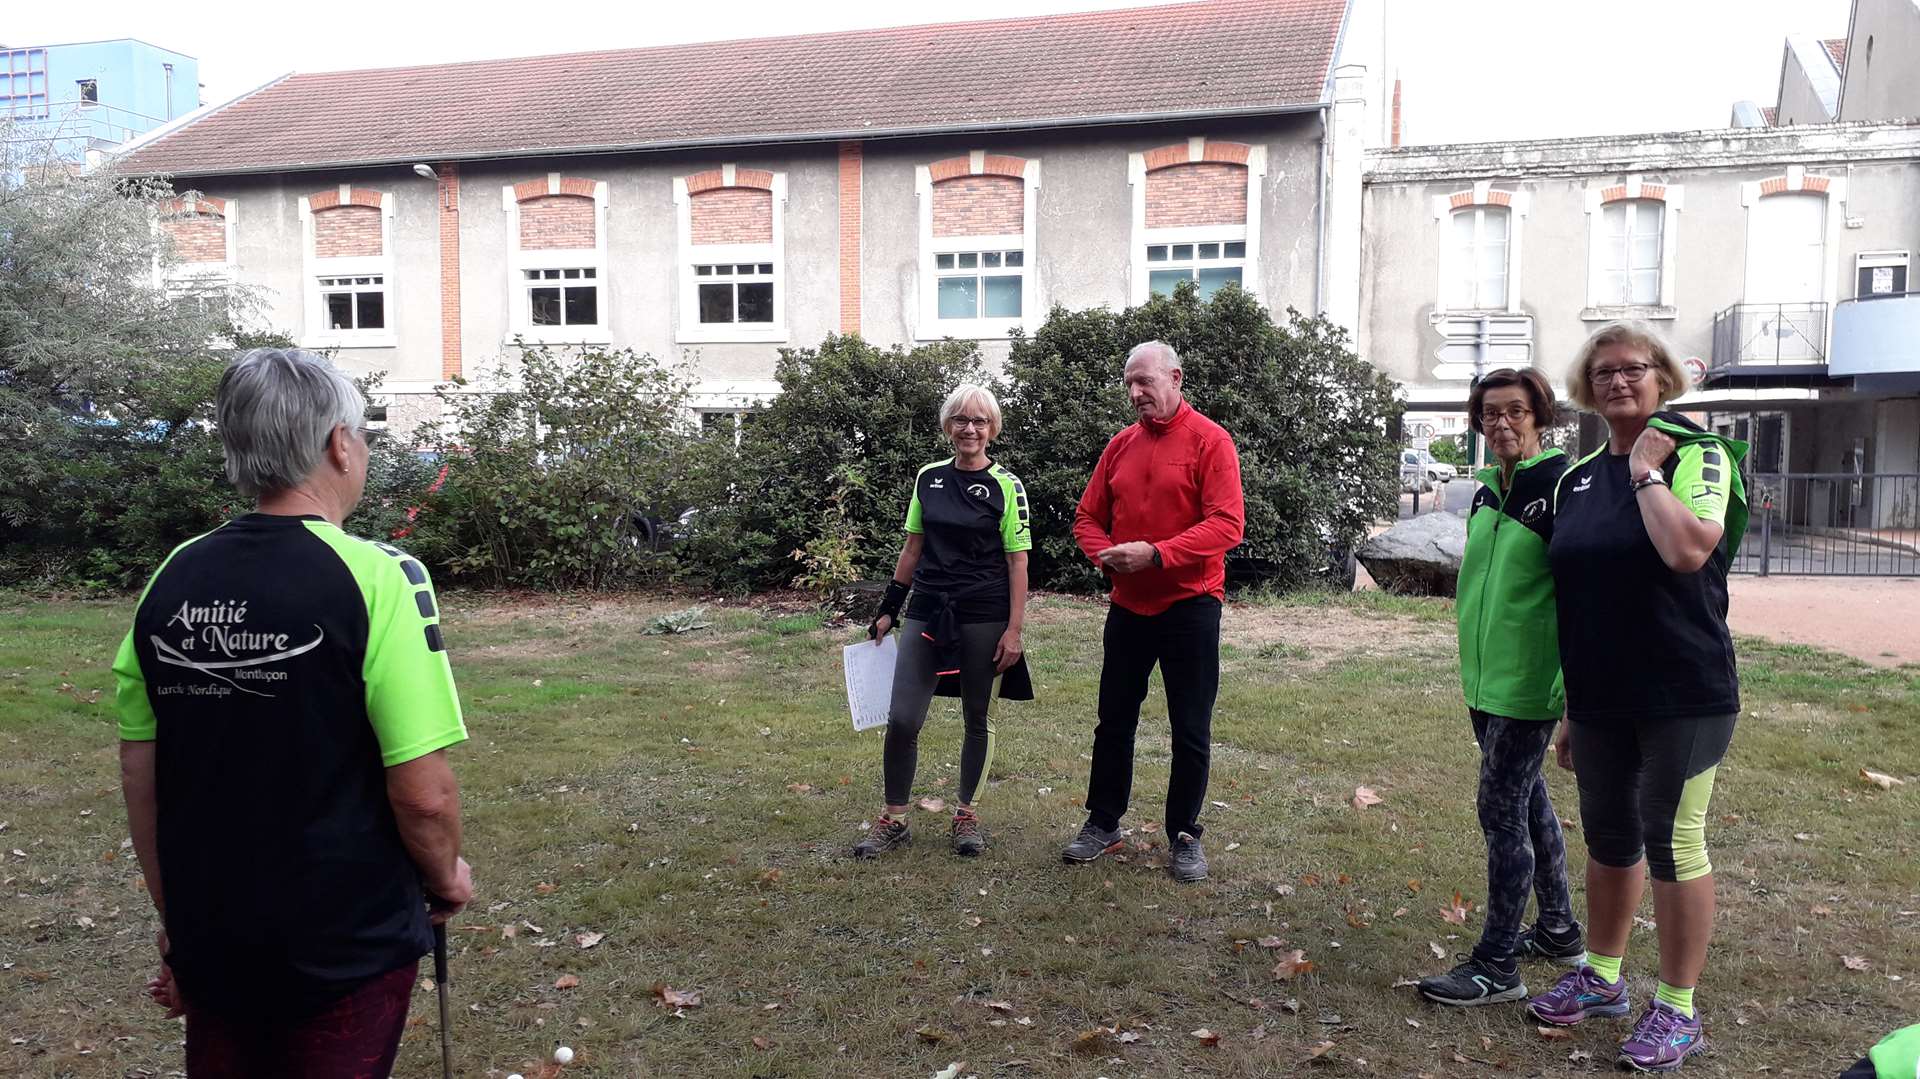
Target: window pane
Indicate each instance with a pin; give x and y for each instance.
(1016, 258)
(546, 306)
(745, 269)
(990, 259)
(756, 302)
(1161, 282)
(1003, 296)
(1615, 218)
(1211, 278)
(1463, 228)
(969, 261)
(943, 262)
(372, 310)
(339, 310)
(1237, 249)
(583, 305)
(1646, 286)
(1645, 251)
(767, 268)
(1209, 251)
(1182, 252)
(959, 297)
(716, 303)
(589, 273)
(1613, 288)
(1157, 253)
(703, 271)
(1495, 225)
(571, 275)
(531, 275)
(1493, 291)
(724, 271)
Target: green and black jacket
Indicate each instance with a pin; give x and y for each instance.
(1509, 638)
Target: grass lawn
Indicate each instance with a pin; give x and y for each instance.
(692, 798)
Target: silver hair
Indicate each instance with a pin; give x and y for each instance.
(1168, 358)
(969, 391)
(276, 408)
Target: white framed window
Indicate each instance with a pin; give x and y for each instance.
(982, 286)
(561, 296)
(1477, 244)
(979, 284)
(733, 293)
(557, 296)
(1631, 236)
(1207, 263)
(336, 317)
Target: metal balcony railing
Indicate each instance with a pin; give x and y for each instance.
(1770, 335)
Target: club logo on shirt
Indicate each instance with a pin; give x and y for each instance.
(1586, 481)
(1533, 510)
(977, 490)
(938, 483)
(217, 644)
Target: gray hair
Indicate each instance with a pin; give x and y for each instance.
(276, 408)
(1162, 351)
(965, 394)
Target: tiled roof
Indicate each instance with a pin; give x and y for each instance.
(1837, 48)
(1772, 113)
(1204, 57)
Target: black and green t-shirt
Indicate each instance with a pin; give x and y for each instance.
(971, 521)
(1637, 638)
(281, 666)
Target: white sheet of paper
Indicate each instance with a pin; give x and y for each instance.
(870, 681)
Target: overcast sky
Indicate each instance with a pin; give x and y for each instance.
(1490, 69)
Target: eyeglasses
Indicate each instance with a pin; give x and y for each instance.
(981, 422)
(1513, 415)
(370, 436)
(1632, 372)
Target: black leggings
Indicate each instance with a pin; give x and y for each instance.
(1526, 853)
(1644, 788)
(914, 679)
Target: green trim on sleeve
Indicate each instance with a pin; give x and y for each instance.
(1016, 526)
(411, 700)
(914, 524)
(137, 721)
(1898, 1054)
(1703, 481)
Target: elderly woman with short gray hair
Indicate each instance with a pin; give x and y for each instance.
(285, 702)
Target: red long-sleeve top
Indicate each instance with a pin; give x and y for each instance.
(1176, 484)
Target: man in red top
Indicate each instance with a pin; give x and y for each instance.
(1158, 517)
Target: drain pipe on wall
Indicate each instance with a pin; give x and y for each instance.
(1320, 209)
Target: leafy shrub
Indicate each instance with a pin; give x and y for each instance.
(1447, 450)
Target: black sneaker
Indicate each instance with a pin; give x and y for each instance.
(967, 838)
(1189, 862)
(1091, 843)
(1567, 947)
(1473, 983)
(885, 835)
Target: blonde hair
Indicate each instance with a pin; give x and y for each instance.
(1633, 334)
(967, 393)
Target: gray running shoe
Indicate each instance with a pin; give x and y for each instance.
(1189, 862)
(968, 840)
(886, 834)
(1091, 843)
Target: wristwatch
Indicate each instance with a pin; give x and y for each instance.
(1156, 556)
(1652, 477)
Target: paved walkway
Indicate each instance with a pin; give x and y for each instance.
(1875, 619)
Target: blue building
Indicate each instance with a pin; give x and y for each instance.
(92, 96)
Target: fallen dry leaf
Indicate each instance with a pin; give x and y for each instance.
(763, 1044)
(1854, 962)
(1414, 885)
(509, 931)
(1438, 951)
(567, 981)
(588, 940)
(1554, 1034)
(998, 1006)
(1400, 912)
(1366, 796)
(1320, 1050)
(1271, 942)
(1291, 965)
(799, 788)
(1881, 779)
(1455, 913)
(544, 888)
(930, 1035)
(1205, 1036)
(1233, 846)
(1821, 909)
(1580, 1055)
(933, 805)
(771, 876)
(1355, 920)
(1127, 1037)
(676, 998)
(1402, 983)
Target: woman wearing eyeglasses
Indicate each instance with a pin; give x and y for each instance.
(1510, 674)
(1644, 528)
(965, 560)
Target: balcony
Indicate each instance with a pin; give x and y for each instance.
(1769, 344)
(1876, 342)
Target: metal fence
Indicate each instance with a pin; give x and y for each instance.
(1842, 524)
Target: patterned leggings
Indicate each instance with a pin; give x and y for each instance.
(1525, 849)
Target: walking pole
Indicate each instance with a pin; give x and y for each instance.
(440, 984)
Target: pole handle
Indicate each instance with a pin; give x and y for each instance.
(440, 954)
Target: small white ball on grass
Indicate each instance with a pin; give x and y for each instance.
(563, 1055)
(516, 1075)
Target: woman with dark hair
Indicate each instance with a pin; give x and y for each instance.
(1644, 529)
(1510, 673)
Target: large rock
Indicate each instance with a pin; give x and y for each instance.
(1419, 556)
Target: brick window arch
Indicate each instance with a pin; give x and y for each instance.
(977, 250)
(1480, 233)
(557, 287)
(1196, 216)
(347, 249)
(732, 274)
(201, 230)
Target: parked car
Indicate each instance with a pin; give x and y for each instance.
(1417, 467)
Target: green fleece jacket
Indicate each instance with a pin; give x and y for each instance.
(1509, 636)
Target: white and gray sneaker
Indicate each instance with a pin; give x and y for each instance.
(1091, 843)
(1189, 862)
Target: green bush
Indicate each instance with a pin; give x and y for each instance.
(1309, 419)
(1447, 450)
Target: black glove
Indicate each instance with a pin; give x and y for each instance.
(889, 607)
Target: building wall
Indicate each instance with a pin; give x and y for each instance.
(1883, 51)
(1800, 99)
(132, 88)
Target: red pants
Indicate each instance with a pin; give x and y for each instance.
(356, 1037)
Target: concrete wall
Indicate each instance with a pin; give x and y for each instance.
(1801, 100)
(1883, 53)
(1083, 215)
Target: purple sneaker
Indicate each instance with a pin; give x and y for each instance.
(1580, 994)
(1662, 1040)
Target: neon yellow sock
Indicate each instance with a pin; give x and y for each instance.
(1607, 966)
(1681, 999)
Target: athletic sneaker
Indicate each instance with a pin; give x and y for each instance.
(1473, 983)
(967, 839)
(1567, 947)
(1580, 994)
(1189, 863)
(1091, 843)
(1663, 1039)
(885, 835)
